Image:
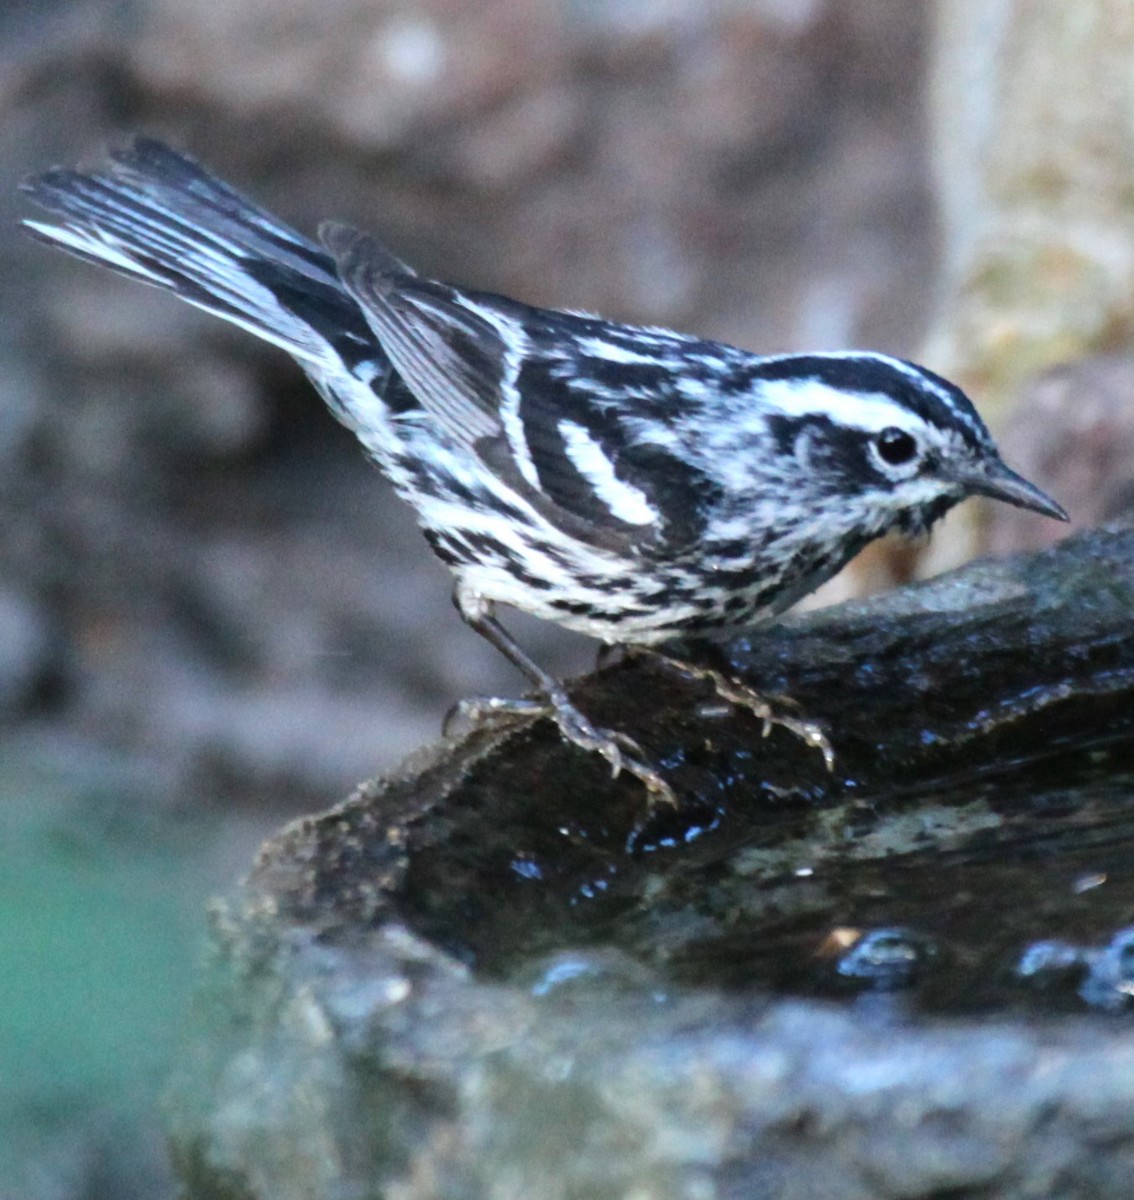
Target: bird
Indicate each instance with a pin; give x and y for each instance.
(631, 483)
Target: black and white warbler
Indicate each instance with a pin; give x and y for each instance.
(633, 484)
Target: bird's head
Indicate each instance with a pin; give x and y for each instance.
(878, 443)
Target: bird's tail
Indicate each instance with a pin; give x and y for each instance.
(156, 216)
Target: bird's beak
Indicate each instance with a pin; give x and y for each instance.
(993, 478)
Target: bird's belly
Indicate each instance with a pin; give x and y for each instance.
(625, 602)
(645, 597)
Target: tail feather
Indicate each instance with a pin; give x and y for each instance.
(156, 216)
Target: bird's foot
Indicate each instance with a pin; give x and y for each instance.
(476, 712)
(734, 692)
(620, 750)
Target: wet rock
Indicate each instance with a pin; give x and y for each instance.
(498, 969)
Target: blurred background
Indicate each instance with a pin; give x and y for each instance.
(213, 613)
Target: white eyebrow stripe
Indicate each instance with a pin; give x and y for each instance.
(626, 502)
(868, 411)
(917, 375)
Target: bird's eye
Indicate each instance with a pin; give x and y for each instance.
(896, 446)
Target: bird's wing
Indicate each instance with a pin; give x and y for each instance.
(548, 400)
(449, 356)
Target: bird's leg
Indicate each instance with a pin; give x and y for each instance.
(619, 750)
(739, 694)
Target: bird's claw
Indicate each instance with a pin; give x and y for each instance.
(739, 694)
(745, 697)
(620, 750)
(476, 712)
